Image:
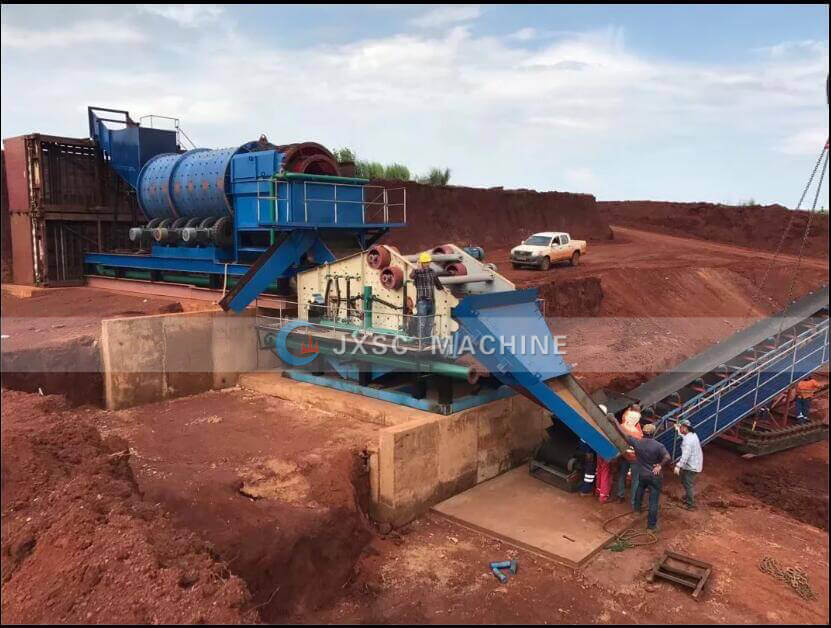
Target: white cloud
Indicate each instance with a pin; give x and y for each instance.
(92, 32)
(789, 48)
(524, 34)
(187, 15)
(806, 142)
(583, 178)
(493, 110)
(445, 15)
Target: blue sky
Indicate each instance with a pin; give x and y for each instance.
(714, 103)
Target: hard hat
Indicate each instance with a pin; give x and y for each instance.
(603, 408)
(649, 428)
(425, 258)
(685, 423)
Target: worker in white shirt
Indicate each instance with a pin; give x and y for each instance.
(691, 461)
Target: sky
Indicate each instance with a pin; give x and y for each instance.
(720, 103)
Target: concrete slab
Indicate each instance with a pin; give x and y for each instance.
(527, 513)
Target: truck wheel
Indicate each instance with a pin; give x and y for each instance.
(575, 259)
(546, 263)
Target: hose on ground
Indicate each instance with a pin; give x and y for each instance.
(628, 537)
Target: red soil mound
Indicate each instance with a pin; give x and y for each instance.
(572, 297)
(804, 496)
(491, 217)
(79, 545)
(759, 227)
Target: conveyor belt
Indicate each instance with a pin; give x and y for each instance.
(729, 381)
(688, 371)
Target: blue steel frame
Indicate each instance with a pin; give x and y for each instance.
(503, 314)
(401, 396)
(729, 401)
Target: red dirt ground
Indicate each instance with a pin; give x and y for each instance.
(760, 227)
(279, 491)
(80, 545)
(52, 342)
(58, 314)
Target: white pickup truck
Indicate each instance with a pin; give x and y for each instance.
(543, 249)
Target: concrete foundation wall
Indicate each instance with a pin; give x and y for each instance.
(150, 358)
(420, 458)
(422, 462)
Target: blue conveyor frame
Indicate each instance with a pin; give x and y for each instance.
(737, 396)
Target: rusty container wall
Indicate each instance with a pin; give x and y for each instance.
(5, 225)
(64, 201)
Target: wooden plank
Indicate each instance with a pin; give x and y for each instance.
(685, 569)
(669, 576)
(688, 559)
(700, 586)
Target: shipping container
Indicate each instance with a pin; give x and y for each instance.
(5, 224)
(63, 201)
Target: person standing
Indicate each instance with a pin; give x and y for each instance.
(651, 456)
(691, 461)
(589, 468)
(603, 477)
(630, 422)
(805, 391)
(425, 279)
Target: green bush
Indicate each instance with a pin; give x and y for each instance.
(344, 154)
(436, 176)
(377, 170)
(397, 171)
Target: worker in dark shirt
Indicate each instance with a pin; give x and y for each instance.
(425, 279)
(650, 456)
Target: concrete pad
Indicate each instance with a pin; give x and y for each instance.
(21, 291)
(365, 409)
(528, 513)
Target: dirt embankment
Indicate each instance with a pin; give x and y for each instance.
(489, 217)
(277, 490)
(760, 227)
(80, 545)
(572, 297)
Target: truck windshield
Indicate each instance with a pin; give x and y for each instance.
(538, 241)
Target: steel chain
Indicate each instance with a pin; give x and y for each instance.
(794, 577)
(761, 284)
(805, 238)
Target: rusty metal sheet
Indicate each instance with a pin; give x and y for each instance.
(5, 224)
(48, 173)
(17, 178)
(22, 255)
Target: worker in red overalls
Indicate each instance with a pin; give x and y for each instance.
(603, 475)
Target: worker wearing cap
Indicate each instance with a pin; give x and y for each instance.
(651, 456)
(425, 279)
(630, 422)
(691, 461)
(805, 391)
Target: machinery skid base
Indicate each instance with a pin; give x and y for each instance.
(567, 482)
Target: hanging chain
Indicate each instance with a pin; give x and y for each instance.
(760, 286)
(805, 238)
